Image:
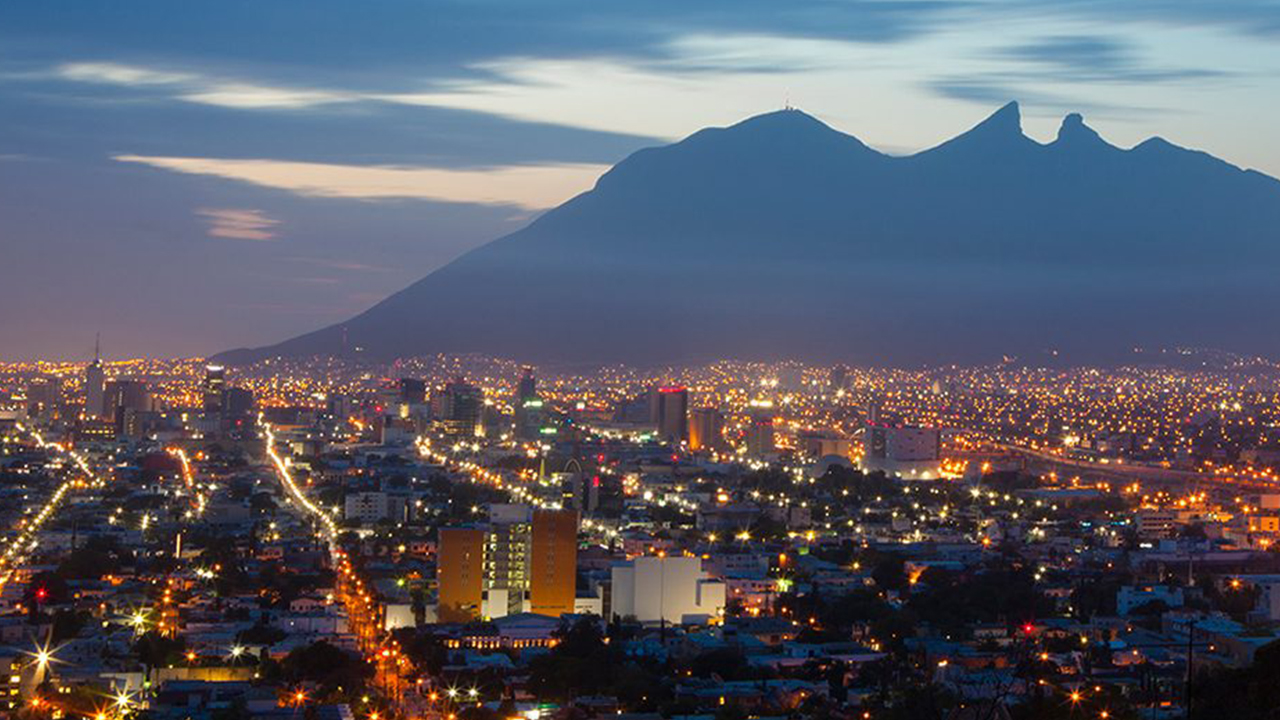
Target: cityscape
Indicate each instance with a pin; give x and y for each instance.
(466, 536)
(589, 360)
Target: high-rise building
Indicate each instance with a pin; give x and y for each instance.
(239, 402)
(839, 377)
(506, 560)
(581, 491)
(460, 411)
(528, 386)
(44, 395)
(706, 429)
(673, 413)
(553, 562)
(527, 562)
(460, 572)
(759, 435)
(94, 386)
(528, 407)
(215, 383)
(124, 394)
(413, 391)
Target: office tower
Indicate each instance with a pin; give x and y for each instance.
(673, 413)
(460, 572)
(215, 383)
(506, 561)
(44, 394)
(706, 429)
(127, 400)
(461, 408)
(239, 402)
(126, 393)
(528, 407)
(528, 386)
(581, 491)
(413, 391)
(553, 564)
(839, 377)
(759, 435)
(94, 386)
(338, 406)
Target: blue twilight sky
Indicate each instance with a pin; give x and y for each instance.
(191, 176)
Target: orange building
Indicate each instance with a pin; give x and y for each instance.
(460, 571)
(553, 562)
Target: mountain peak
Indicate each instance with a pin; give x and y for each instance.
(1006, 120)
(1001, 131)
(1074, 131)
(788, 120)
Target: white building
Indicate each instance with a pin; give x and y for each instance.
(674, 589)
(908, 452)
(1131, 596)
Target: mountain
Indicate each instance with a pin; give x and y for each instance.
(780, 237)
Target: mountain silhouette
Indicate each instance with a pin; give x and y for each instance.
(779, 237)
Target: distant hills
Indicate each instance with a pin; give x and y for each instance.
(779, 237)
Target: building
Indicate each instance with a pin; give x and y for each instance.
(458, 408)
(44, 395)
(1131, 597)
(706, 429)
(368, 508)
(671, 408)
(528, 385)
(759, 432)
(901, 450)
(413, 391)
(126, 394)
(528, 407)
(838, 379)
(528, 563)
(506, 560)
(215, 383)
(1157, 524)
(460, 573)
(820, 444)
(239, 402)
(94, 386)
(656, 589)
(581, 491)
(553, 562)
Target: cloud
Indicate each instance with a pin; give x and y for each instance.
(239, 223)
(344, 265)
(118, 74)
(1092, 58)
(993, 90)
(203, 89)
(529, 187)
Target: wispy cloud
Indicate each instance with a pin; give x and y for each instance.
(1094, 58)
(345, 265)
(203, 89)
(531, 187)
(239, 223)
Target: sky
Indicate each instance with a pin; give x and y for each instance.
(188, 177)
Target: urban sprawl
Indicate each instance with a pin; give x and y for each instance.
(471, 538)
